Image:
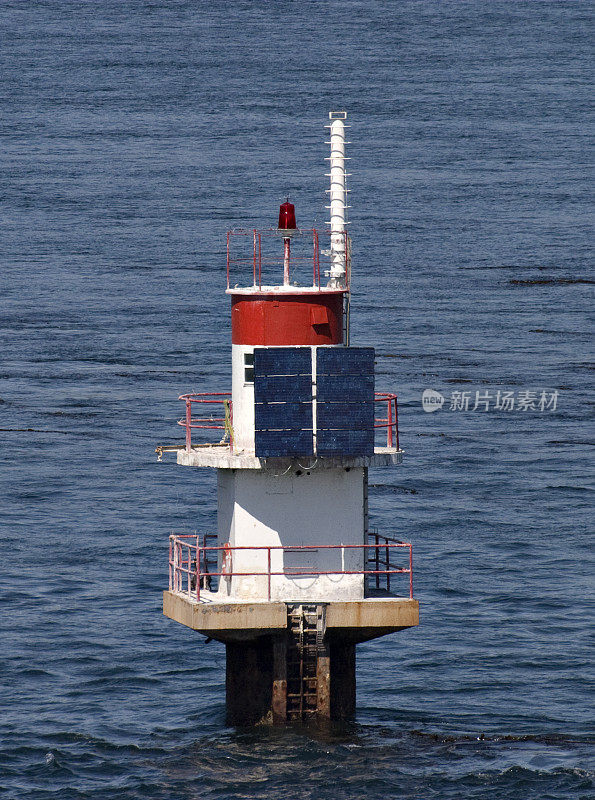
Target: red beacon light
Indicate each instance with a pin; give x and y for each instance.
(287, 217)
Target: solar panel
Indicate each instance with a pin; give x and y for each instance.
(344, 401)
(283, 420)
(283, 401)
(344, 361)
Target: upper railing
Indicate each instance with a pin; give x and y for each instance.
(224, 423)
(391, 421)
(195, 564)
(261, 252)
(224, 419)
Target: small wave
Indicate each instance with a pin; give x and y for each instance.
(550, 739)
(551, 281)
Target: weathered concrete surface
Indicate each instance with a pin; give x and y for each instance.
(350, 621)
(220, 457)
(342, 680)
(249, 681)
(361, 620)
(323, 683)
(279, 693)
(226, 621)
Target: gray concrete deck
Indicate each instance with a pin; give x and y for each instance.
(236, 620)
(219, 456)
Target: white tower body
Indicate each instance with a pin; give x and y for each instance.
(242, 389)
(287, 508)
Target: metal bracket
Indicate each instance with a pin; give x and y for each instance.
(167, 448)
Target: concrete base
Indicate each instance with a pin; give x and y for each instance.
(274, 675)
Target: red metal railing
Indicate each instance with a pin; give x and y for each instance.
(391, 422)
(192, 568)
(261, 250)
(224, 423)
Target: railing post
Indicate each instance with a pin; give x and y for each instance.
(170, 565)
(198, 570)
(389, 435)
(180, 566)
(259, 261)
(347, 257)
(204, 560)
(189, 574)
(228, 259)
(231, 426)
(387, 567)
(397, 421)
(269, 570)
(411, 572)
(188, 424)
(254, 256)
(173, 564)
(377, 548)
(317, 261)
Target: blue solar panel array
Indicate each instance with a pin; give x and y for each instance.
(345, 401)
(283, 414)
(283, 402)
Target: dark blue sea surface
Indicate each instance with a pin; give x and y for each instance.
(134, 134)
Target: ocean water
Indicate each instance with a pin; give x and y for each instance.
(134, 134)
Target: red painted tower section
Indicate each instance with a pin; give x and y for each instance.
(287, 318)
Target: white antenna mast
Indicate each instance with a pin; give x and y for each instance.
(338, 198)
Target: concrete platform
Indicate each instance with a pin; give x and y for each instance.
(220, 457)
(233, 621)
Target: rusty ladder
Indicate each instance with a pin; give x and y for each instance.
(306, 624)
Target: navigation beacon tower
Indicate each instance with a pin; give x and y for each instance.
(293, 579)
